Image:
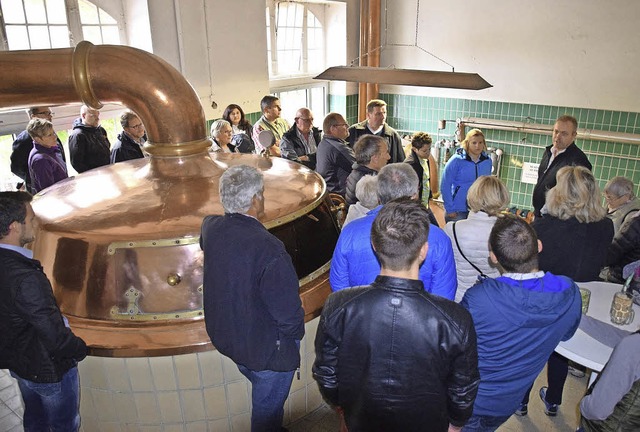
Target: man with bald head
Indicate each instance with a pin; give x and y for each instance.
(24, 143)
(89, 146)
(301, 141)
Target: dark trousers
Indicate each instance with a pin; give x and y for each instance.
(557, 370)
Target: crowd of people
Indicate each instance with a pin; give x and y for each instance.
(427, 328)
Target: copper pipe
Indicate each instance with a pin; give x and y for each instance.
(364, 58)
(373, 44)
(86, 73)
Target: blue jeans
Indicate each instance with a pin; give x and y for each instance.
(51, 407)
(269, 391)
(478, 423)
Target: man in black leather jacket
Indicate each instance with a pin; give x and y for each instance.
(391, 356)
(36, 344)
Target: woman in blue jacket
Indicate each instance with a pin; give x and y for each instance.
(465, 166)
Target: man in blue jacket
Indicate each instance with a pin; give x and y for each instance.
(252, 310)
(354, 263)
(520, 318)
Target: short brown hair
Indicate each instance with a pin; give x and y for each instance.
(375, 103)
(398, 233)
(569, 119)
(420, 139)
(515, 244)
(126, 116)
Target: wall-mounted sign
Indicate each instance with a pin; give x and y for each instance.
(529, 173)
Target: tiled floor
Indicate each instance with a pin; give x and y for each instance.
(325, 420)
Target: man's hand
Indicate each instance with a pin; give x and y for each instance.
(453, 428)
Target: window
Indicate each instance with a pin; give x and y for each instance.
(313, 97)
(297, 35)
(43, 24)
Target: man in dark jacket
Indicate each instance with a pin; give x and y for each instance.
(371, 155)
(376, 124)
(563, 152)
(335, 158)
(300, 143)
(390, 355)
(23, 145)
(252, 309)
(129, 144)
(88, 143)
(36, 344)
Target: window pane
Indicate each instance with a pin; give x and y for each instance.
(35, 11)
(105, 18)
(56, 12)
(17, 37)
(317, 102)
(92, 34)
(88, 13)
(59, 36)
(13, 13)
(39, 37)
(110, 35)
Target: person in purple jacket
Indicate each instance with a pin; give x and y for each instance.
(354, 263)
(46, 165)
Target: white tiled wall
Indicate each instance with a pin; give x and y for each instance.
(192, 392)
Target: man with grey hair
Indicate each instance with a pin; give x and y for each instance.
(300, 143)
(354, 262)
(372, 154)
(252, 310)
(24, 143)
(130, 142)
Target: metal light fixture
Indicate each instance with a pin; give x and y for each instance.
(410, 77)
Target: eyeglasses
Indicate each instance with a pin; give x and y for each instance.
(340, 124)
(138, 126)
(306, 120)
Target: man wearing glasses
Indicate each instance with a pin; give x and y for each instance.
(131, 141)
(24, 143)
(335, 158)
(89, 146)
(301, 141)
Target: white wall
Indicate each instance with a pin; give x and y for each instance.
(582, 53)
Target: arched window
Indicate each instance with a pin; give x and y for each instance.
(42, 24)
(297, 35)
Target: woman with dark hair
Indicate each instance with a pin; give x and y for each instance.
(241, 140)
(575, 233)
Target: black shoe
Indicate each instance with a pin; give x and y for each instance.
(523, 410)
(550, 409)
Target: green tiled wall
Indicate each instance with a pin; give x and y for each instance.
(420, 113)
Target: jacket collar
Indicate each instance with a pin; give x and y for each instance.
(398, 284)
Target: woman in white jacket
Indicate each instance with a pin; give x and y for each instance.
(486, 198)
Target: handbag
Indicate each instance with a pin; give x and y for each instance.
(481, 276)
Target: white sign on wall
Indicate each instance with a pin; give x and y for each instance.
(529, 173)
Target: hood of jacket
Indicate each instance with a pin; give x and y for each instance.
(540, 301)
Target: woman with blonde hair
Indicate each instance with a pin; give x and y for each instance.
(470, 238)
(468, 163)
(575, 233)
